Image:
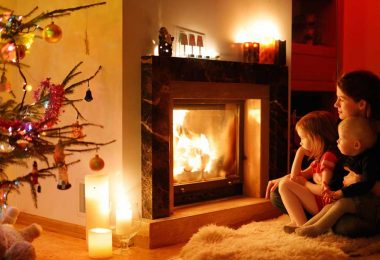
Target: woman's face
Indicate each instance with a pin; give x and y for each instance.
(346, 106)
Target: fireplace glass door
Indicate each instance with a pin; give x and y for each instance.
(206, 151)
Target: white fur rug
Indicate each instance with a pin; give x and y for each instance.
(267, 240)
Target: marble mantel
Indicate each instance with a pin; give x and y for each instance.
(157, 73)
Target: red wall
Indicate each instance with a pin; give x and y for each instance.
(361, 35)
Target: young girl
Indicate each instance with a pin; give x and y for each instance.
(318, 133)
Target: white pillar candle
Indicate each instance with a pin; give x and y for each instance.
(123, 218)
(100, 243)
(97, 201)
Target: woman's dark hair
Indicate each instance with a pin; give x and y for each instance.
(362, 85)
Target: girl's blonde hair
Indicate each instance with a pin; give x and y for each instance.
(321, 128)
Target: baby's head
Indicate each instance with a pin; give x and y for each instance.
(356, 135)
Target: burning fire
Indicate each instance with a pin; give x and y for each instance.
(192, 151)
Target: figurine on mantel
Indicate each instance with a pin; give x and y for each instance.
(165, 42)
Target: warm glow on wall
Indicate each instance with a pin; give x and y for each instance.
(258, 31)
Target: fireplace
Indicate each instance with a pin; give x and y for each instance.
(206, 150)
(209, 130)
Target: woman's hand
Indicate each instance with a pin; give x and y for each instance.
(272, 185)
(337, 194)
(327, 196)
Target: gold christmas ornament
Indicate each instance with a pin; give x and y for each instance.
(96, 163)
(77, 131)
(52, 33)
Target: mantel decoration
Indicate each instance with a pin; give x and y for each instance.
(190, 43)
(32, 131)
(165, 42)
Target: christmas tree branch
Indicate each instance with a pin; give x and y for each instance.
(71, 87)
(2, 8)
(71, 74)
(83, 143)
(56, 129)
(30, 13)
(51, 14)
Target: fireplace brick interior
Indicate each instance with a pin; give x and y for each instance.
(165, 79)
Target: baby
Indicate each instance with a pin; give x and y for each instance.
(357, 142)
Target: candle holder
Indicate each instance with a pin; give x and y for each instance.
(127, 232)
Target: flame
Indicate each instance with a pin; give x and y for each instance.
(192, 152)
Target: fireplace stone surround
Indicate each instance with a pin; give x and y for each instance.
(158, 76)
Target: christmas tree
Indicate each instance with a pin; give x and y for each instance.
(32, 130)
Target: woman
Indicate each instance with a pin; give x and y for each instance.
(358, 94)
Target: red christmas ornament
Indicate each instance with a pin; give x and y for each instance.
(52, 33)
(21, 51)
(8, 52)
(96, 163)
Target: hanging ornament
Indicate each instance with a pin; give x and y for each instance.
(77, 131)
(59, 155)
(59, 158)
(21, 51)
(52, 33)
(5, 85)
(8, 51)
(96, 163)
(22, 143)
(86, 43)
(88, 96)
(34, 177)
(63, 178)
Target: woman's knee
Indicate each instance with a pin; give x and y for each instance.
(283, 185)
(353, 226)
(346, 204)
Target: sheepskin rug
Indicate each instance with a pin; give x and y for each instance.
(267, 240)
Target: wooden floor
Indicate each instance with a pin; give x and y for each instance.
(61, 240)
(56, 246)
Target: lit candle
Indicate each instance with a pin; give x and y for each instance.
(97, 201)
(123, 218)
(100, 243)
(267, 48)
(246, 46)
